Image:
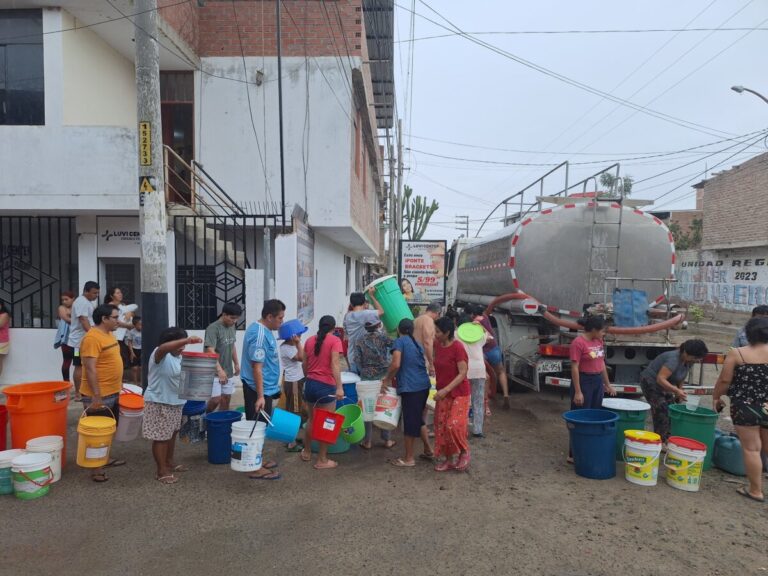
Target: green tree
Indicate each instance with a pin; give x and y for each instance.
(416, 214)
(689, 239)
(613, 185)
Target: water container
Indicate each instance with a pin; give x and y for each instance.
(593, 442)
(220, 435)
(728, 455)
(389, 295)
(632, 415)
(198, 369)
(696, 424)
(349, 381)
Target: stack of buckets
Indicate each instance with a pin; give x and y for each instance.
(131, 406)
(29, 473)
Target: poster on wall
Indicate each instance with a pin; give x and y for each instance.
(422, 270)
(118, 237)
(305, 273)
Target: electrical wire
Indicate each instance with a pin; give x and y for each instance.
(339, 60)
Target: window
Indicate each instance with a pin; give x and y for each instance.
(22, 86)
(348, 267)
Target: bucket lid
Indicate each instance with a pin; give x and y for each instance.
(31, 460)
(45, 442)
(686, 443)
(642, 436)
(470, 332)
(132, 389)
(96, 424)
(199, 355)
(349, 378)
(131, 401)
(6, 456)
(626, 404)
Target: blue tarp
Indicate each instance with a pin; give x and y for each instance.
(630, 307)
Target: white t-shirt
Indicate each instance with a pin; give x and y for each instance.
(476, 363)
(293, 369)
(124, 309)
(80, 307)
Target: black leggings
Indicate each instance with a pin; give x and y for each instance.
(68, 354)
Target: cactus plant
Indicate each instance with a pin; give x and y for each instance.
(416, 214)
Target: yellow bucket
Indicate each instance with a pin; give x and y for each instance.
(641, 457)
(94, 440)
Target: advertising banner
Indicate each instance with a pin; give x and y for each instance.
(422, 270)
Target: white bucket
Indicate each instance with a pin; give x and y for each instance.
(129, 425)
(684, 466)
(641, 462)
(32, 475)
(6, 457)
(246, 448)
(387, 411)
(198, 369)
(367, 392)
(52, 445)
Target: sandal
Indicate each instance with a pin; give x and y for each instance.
(327, 465)
(365, 446)
(169, 479)
(427, 457)
(180, 468)
(305, 456)
(114, 463)
(295, 448)
(99, 477)
(463, 463)
(400, 463)
(743, 491)
(269, 465)
(389, 444)
(268, 476)
(444, 466)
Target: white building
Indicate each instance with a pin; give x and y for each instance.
(69, 198)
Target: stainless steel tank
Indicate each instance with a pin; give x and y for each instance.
(548, 255)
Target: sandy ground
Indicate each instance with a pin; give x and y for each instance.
(519, 510)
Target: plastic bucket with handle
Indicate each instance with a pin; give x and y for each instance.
(641, 457)
(6, 479)
(389, 295)
(198, 369)
(696, 424)
(684, 461)
(247, 444)
(219, 434)
(353, 428)
(94, 441)
(367, 392)
(387, 409)
(282, 426)
(52, 445)
(326, 425)
(32, 475)
(632, 415)
(349, 381)
(131, 408)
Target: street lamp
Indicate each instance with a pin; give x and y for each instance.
(740, 89)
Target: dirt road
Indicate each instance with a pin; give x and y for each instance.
(520, 510)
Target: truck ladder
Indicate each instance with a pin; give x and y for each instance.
(601, 268)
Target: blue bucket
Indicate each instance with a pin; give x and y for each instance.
(194, 407)
(593, 442)
(220, 435)
(283, 426)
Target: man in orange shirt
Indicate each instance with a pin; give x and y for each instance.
(103, 371)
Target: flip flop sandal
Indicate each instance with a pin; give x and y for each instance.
(294, 449)
(427, 457)
(181, 468)
(170, 479)
(743, 491)
(330, 465)
(99, 478)
(269, 465)
(364, 447)
(270, 476)
(400, 463)
(115, 463)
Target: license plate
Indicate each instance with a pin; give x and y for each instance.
(550, 366)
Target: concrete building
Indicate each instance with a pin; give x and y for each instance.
(730, 271)
(69, 163)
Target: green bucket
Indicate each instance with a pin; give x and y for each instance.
(353, 427)
(696, 424)
(632, 414)
(387, 291)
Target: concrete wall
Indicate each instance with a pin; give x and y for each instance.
(731, 279)
(736, 206)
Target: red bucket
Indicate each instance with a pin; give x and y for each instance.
(326, 426)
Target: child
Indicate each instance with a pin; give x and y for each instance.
(291, 357)
(162, 406)
(133, 340)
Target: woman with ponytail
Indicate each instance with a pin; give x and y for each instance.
(410, 368)
(322, 367)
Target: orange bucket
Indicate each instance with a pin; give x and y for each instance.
(131, 402)
(38, 409)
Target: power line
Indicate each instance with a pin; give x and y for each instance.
(570, 81)
(339, 59)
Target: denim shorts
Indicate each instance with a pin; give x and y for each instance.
(319, 392)
(494, 356)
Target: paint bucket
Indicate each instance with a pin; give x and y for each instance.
(696, 424)
(131, 414)
(6, 479)
(32, 475)
(684, 461)
(38, 409)
(219, 432)
(593, 442)
(353, 427)
(387, 411)
(632, 415)
(349, 381)
(52, 445)
(94, 440)
(326, 426)
(367, 392)
(389, 295)
(198, 369)
(641, 457)
(282, 426)
(247, 444)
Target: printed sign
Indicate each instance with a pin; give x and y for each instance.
(305, 272)
(145, 143)
(118, 237)
(422, 270)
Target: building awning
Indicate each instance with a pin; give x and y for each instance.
(380, 29)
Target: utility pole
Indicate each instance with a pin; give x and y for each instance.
(392, 207)
(151, 188)
(398, 202)
(280, 112)
(462, 223)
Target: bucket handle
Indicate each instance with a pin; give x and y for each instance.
(85, 412)
(680, 468)
(624, 458)
(48, 482)
(327, 396)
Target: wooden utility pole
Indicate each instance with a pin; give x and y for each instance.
(392, 263)
(151, 187)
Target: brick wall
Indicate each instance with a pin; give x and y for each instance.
(736, 206)
(305, 28)
(183, 18)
